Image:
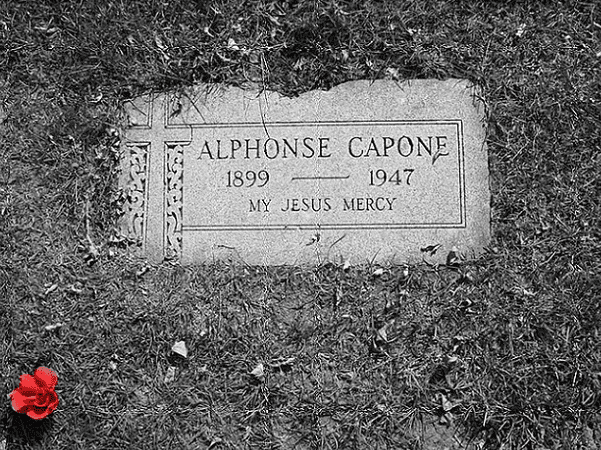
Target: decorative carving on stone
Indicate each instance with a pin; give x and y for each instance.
(174, 199)
(137, 190)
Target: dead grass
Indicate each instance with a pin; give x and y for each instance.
(506, 348)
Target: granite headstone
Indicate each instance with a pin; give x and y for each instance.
(369, 171)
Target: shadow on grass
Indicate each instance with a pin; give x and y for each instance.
(23, 430)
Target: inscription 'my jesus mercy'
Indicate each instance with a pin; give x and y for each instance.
(325, 204)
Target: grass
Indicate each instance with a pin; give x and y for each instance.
(506, 349)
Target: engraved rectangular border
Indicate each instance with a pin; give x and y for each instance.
(345, 226)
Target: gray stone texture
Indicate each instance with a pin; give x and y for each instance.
(369, 171)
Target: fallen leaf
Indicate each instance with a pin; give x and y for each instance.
(170, 375)
(215, 442)
(232, 45)
(382, 334)
(520, 30)
(467, 277)
(180, 348)
(393, 72)
(51, 289)
(92, 251)
(453, 257)
(445, 403)
(75, 290)
(53, 326)
(259, 371)
(451, 380)
(446, 419)
(432, 249)
(451, 359)
(96, 99)
(378, 272)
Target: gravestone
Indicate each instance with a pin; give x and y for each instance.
(367, 171)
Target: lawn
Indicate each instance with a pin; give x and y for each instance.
(502, 352)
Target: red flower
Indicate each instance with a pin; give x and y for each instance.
(35, 395)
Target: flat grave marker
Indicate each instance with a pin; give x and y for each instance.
(367, 171)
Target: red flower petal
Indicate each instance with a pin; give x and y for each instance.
(21, 402)
(52, 401)
(38, 413)
(41, 400)
(28, 385)
(47, 376)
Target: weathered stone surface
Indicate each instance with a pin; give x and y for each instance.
(368, 171)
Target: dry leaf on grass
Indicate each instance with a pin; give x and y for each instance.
(50, 290)
(453, 257)
(258, 372)
(170, 375)
(232, 45)
(180, 348)
(431, 249)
